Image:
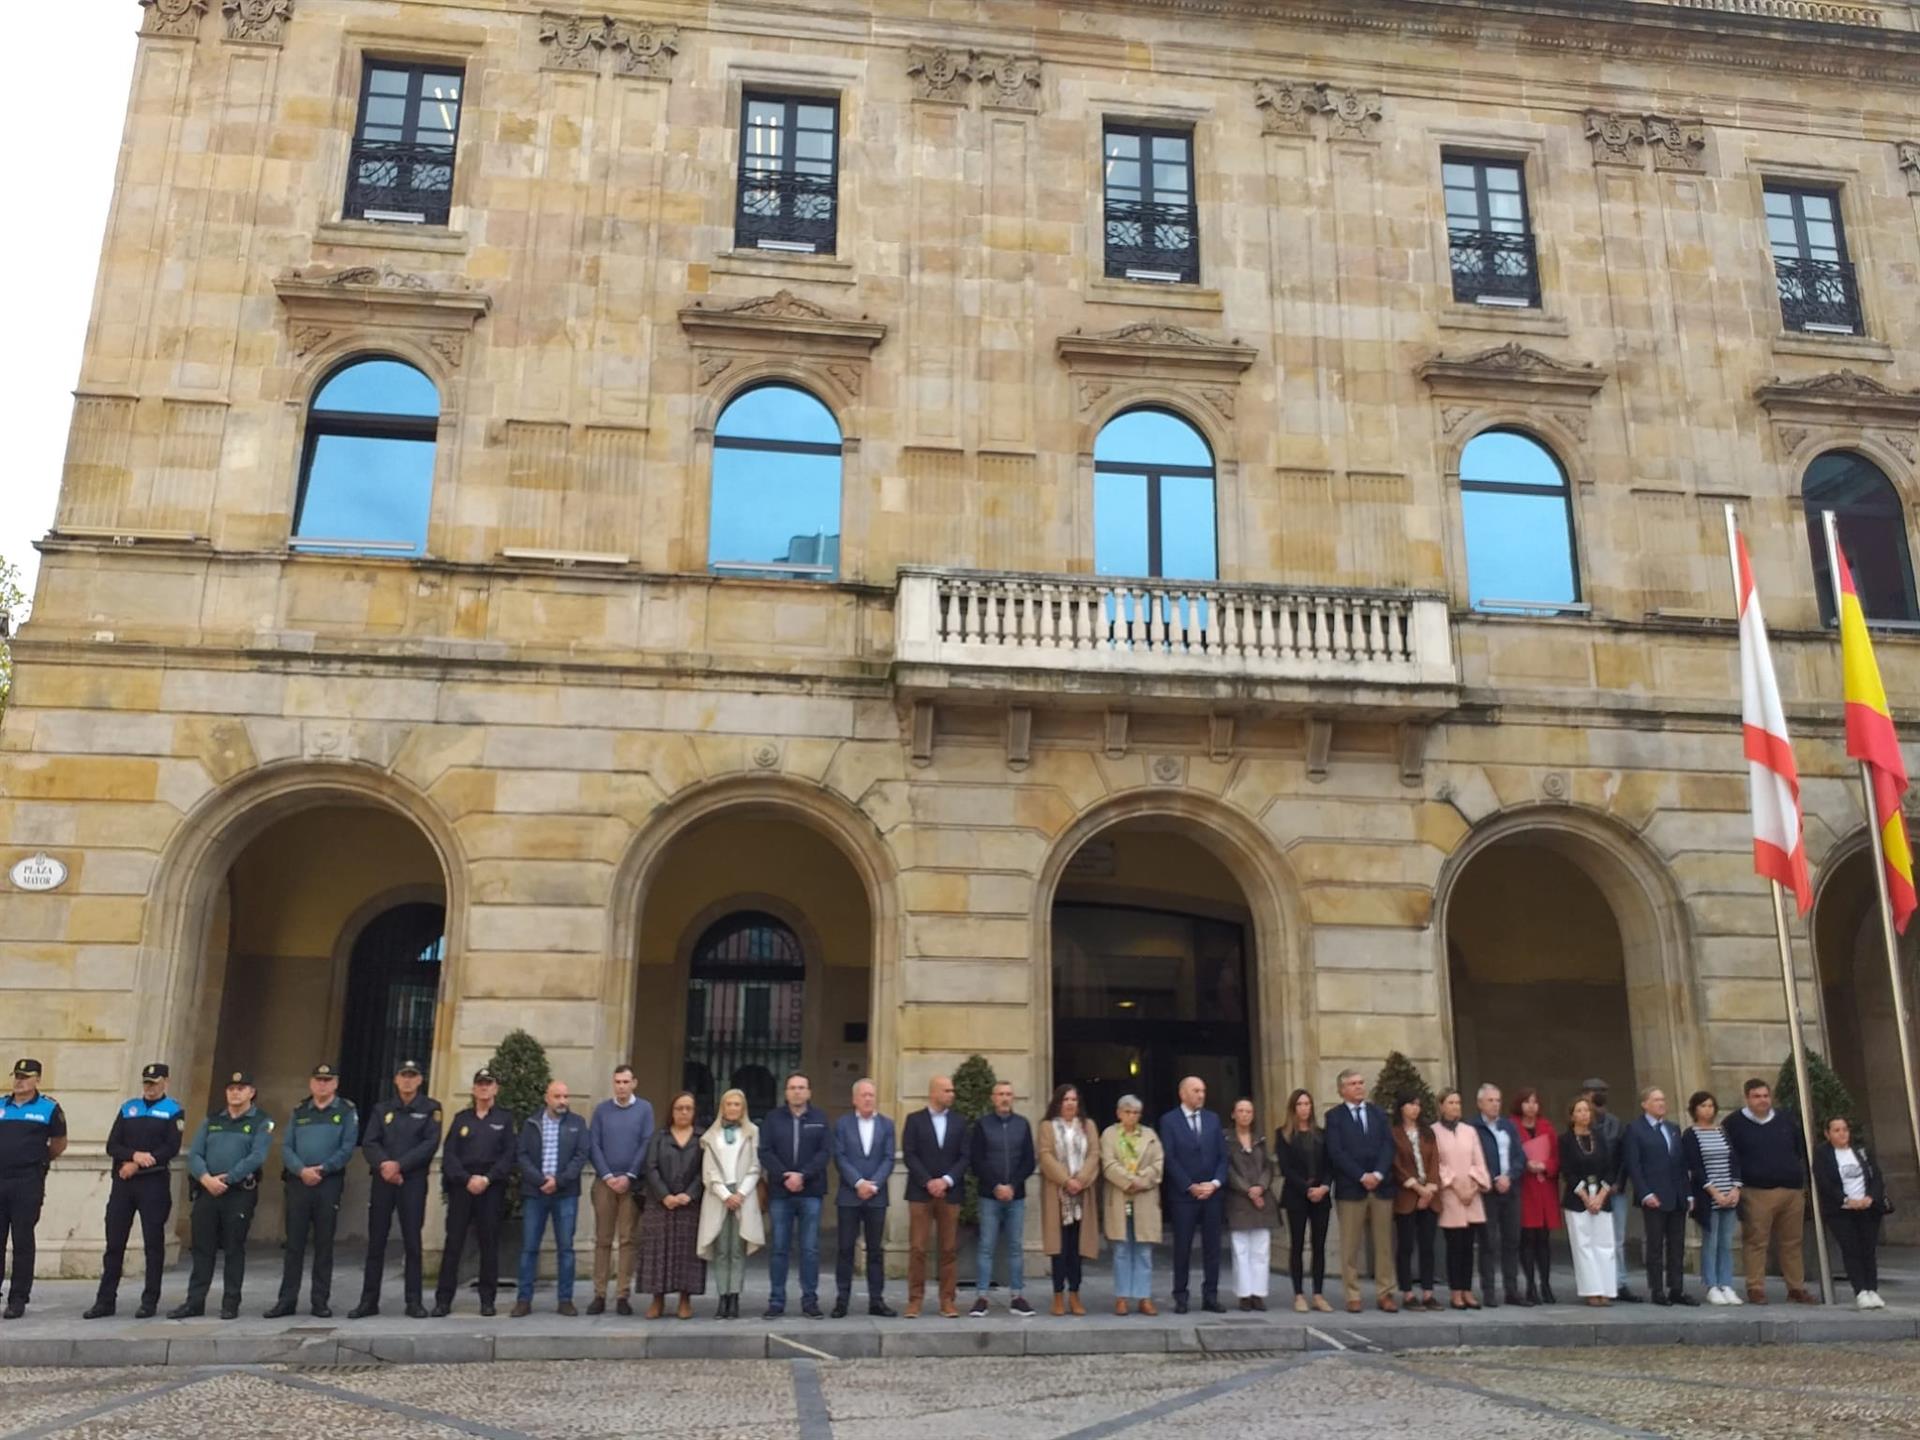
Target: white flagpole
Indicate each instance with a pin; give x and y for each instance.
(1791, 982)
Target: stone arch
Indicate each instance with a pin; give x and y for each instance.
(1160, 395)
(812, 376)
(818, 808)
(1647, 906)
(1894, 464)
(1283, 1019)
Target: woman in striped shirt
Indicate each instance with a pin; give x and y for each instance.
(1714, 1172)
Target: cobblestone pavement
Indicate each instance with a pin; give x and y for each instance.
(1696, 1392)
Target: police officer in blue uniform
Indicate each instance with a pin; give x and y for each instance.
(147, 1133)
(402, 1136)
(33, 1133)
(314, 1153)
(483, 1146)
(224, 1162)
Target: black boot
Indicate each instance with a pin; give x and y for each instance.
(1526, 1268)
(1543, 1261)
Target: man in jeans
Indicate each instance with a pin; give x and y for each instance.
(1610, 1128)
(1773, 1194)
(617, 1142)
(1002, 1160)
(553, 1152)
(795, 1145)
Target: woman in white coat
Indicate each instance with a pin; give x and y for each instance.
(731, 1227)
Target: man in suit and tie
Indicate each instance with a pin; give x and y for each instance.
(863, 1154)
(934, 1145)
(1658, 1169)
(1360, 1151)
(1196, 1150)
(1507, 1164)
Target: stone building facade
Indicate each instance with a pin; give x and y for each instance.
(935, 781)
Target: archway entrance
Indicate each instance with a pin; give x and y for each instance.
(1856, 998)
(1153, 970)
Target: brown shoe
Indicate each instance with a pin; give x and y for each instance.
(1756, 1294)
(1300, 1303)
(1320, 1303)
(1119, 1307)
(1354, 1307)
(1073, 1303)
(913, 1310)
(1803, 1297)
(1389, 1304)
(657, 1308)
(685, 1312)
(565, 1307)
(521, 1309)
(1146, 1308)
(1059, 1302)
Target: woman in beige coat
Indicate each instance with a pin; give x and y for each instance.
(1068, 1148)
(730, 1225)
(1132, 1161)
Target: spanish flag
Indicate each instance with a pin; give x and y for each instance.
(1870, 740)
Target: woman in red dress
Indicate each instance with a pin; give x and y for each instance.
(1539, 1195)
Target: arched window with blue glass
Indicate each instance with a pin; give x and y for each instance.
(1153, 499)
(776, 487)
(366, 474)
(1872, 526)
(1517, 511)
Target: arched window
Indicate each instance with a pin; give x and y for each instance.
(1517, 511)
(1153, 512)
(744, 995)
(1873, 533)
(366, 478)
(393, 985)
(776, 487)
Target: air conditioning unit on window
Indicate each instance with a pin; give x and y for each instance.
(1512, 301)
(394, 217)
(798, 247)
(1158, 277)
(1815, 328)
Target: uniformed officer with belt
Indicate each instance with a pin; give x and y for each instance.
(314, 1153)
(147, 1133)
(224, 1162)
(474, 1170)
(402, 1135)
(33, 1133)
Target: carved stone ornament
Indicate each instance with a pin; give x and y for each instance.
(781, 324)
(643, 48)
(1221, 399)
(574, 42)
(260, 21)
(437, 312)
(1839, 396)
(1902, 444)
(940, 74)
(1677, 144)
(1092, 391)
(1792, 437)
(450, 347)
(781, 305)
(382, 277)
(713, 365)
(766, 755)
(1351, 114)
(1009, 82)
(1167, 769)
(310, 337)
(849, 377)
(1508, 367)
(1451, 416)
(1286, 107)
(1908, 159)
(1617, 139)
(173, 17)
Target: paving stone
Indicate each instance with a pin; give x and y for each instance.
(953, 1342)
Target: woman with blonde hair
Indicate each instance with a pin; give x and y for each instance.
(730, 1225)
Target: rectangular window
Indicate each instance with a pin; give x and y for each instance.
(789, 175)
(1153, 230)
(401, 168)
(1817, 289)
(1489, 237)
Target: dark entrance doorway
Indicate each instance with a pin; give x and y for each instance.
(1143, 997)
(393, 983)
(744, 1012)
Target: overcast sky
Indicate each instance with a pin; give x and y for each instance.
(66, 132)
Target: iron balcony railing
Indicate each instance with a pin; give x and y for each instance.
(1152, 242)
(1493, 267)
(390, 180)
(1818, 295)
(781, 211)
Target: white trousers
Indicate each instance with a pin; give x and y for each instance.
(1592, 1240)
(1251, 1252)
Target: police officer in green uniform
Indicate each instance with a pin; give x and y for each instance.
(314, 1153)
(33, 1133)
(402, 1135)
(224, 1162)
(146, 1135)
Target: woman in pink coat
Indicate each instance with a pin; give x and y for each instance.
(1463, 1180)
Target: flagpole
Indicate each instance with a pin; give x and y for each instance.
(1791, 981)
(1903, 1021)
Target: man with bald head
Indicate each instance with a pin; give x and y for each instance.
(934, 1145)
(554, 1146)
(1196, 1146)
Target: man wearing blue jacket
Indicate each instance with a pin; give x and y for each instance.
(553, 1152)
(795, 1144)
(1196, 1148)
(146, 1135)
(223, 1165)
(863, 1153)
(1658, 1168)
(1360, 1152)
(1000, 1155)
(1507, 1164)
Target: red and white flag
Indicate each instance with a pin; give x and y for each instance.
(1779, 848)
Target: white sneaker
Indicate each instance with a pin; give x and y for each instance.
(1733, 1295)
(1878, 1303)
(1719, 1296)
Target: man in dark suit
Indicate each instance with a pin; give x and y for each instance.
(1507, 1164)
(1658, 1169)
(863, 1154)
(1360, 1152)
(934, 1145)
(1196, 1150)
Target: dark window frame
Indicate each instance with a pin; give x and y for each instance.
(749, 982)
(1562, 492)
(1183, 262)
(1818, 297)
(783, 229)
(374, 167)
(1482, 241)
(1154, 473)
(1894, 510)
(359, 425)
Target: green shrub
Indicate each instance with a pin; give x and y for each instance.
(973, 1086)
(1830, 1096)
(1400, 1076)
(520, 1065)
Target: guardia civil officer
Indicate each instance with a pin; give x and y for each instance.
(224, 1162)
(474, 1170)
(147, 1133)
(402, 1134)
(33, 1133)
(314, 1154)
